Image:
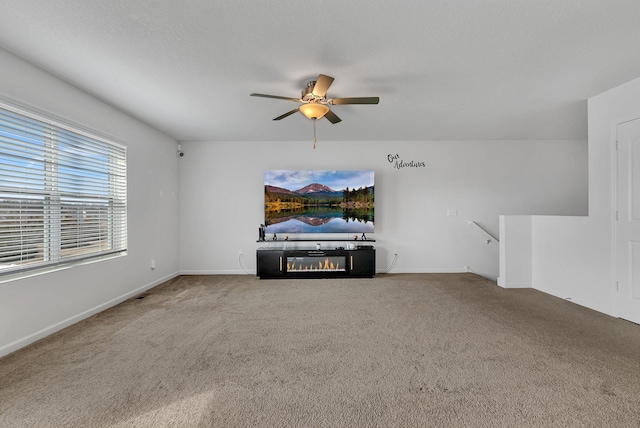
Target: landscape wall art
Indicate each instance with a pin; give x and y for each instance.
(319, 201)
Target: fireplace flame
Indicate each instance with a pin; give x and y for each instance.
(324, 265)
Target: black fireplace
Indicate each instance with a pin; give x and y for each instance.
(296, 263)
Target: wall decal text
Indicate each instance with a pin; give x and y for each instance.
(399, 163)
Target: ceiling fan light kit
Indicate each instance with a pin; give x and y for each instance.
(314, 110)
(314, 102)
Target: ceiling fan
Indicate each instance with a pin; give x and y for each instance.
(314, 100)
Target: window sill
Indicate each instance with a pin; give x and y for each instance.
(16, 276)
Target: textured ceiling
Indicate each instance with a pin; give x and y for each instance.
(457, 69)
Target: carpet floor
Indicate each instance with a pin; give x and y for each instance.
(399, 350)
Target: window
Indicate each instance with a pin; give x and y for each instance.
(62, 193)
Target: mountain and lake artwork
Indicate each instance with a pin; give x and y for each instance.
(319, 201)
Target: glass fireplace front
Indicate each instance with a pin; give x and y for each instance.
(316, 263)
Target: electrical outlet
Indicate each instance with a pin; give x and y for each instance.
(240, 253)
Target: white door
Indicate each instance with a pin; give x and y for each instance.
(628, 224)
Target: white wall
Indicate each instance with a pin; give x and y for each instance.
(33, 307)
(515, 251)
(572, 257)
(221, 196)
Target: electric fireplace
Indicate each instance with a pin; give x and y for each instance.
(319, 262)
(298, 263)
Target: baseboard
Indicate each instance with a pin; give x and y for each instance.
(504, 284)
(422, 270)
(379, 271)
(578, 300)
(27, 340)
(215, 272)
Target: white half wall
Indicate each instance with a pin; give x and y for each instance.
(36, 306)
(221, 196)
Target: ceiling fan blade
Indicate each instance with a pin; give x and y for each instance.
(289, 113)
(277, 97)
(322, 85)
(332, 117)
(356, 100)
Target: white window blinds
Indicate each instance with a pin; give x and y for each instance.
(62, 193)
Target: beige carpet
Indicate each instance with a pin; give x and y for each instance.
(398, 350)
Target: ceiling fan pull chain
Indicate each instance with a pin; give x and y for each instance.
(314, 133)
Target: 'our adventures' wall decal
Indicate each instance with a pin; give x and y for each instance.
(399, 163)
